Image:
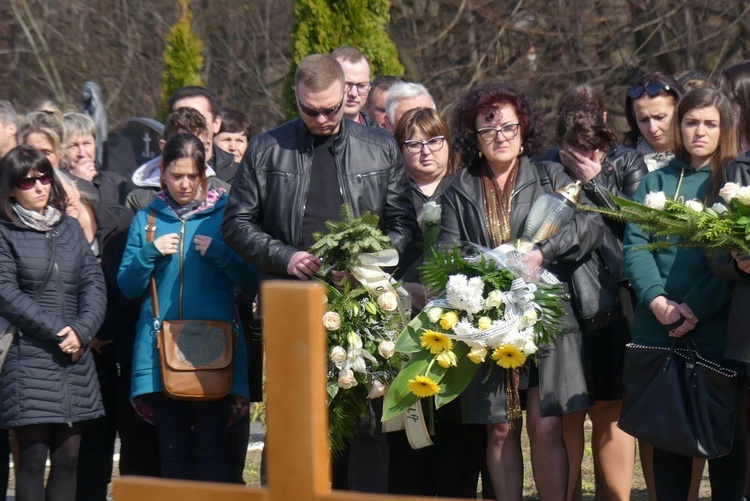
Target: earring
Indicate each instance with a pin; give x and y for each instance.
(480, 154)
(520, 152)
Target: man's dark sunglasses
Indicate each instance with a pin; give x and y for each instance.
(652, 89)
(313, 113)
(29, 182)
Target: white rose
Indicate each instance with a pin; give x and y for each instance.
(377, 390)
(347, 379)
(655, 200)
(386, 349)
(529, 348)
(388, 301)
(695, 205)
(434, 315)
(729, 192)
(530, 317)
(431, 211)
(338, 355)
(331, 321)
(495, 299)
(743, 195)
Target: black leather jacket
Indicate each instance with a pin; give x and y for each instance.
(263, 218)
(462, 219)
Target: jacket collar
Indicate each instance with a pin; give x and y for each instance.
(305, 138)
(160, 207)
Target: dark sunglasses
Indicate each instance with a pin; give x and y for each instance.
(29, 182)
(652, 89)
(327, 112)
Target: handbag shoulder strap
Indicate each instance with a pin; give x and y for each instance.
(150, 232)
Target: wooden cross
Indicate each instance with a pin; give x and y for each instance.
(298, 453)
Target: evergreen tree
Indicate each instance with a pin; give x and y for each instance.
(183, 57)
(321, 26)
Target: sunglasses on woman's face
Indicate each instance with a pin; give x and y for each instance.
(652, 89)
(29, 182)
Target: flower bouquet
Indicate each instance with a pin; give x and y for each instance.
(488, 310)
(719, 227)
(362, 321)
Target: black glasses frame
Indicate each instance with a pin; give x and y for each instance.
(417, 145)
(508, 131)
(362, 87)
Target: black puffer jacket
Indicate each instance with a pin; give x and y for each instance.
(40, 384)
(263, 219)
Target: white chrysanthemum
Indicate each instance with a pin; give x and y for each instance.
(465, 294)
(464, 328)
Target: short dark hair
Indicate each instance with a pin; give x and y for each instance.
(185, 120)
(350, 54)
(185, 145)
(235, 121)
(481, 99)
(585, 129)
(675, 90)
(318, 72)
(15, 166)
(382, 83)
(196, 91)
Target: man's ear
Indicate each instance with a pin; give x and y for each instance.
(162, 142)
(217, 125)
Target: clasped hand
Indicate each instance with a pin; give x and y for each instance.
(677, 318)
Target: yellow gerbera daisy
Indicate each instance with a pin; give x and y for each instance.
(508, 357)
(422, 386)
(435, 342)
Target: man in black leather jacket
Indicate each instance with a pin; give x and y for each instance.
(295, 177)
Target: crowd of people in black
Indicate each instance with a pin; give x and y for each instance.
(86, 263)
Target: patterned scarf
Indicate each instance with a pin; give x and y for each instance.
(37, 221)
(199, 204)
(497, 205)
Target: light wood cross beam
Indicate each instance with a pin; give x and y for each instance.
(298, 453)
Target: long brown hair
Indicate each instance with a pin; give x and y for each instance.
(727, 150)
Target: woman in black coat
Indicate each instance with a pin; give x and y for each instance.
(48, 383)
(488, 203)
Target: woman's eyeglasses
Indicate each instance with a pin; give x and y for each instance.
(327, 112)
(508, 131)
(29, 182)
(653, 89)
(433, 144)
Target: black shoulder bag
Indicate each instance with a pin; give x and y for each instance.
(593, 289)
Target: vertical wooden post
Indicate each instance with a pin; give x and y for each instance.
(297, 441)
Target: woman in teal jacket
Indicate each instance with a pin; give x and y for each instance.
(677, 291)
(195, 274)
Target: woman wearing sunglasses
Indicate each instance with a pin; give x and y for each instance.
(649, 105)
(488, 203)
(677, 293)
(52, 291)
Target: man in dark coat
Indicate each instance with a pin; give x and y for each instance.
(296, 177)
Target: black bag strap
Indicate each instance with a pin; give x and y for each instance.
(52, 235)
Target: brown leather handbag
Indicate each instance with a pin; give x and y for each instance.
(197, 356)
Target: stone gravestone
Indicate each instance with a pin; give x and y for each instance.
(132, 143)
